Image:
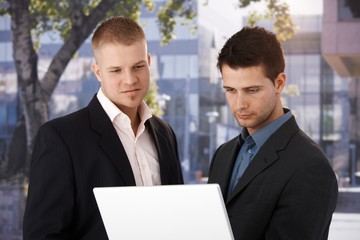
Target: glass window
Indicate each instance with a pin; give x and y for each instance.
(308, 23)
(312, 73)
(3, 119)
(340, 83)
(181, 67)
(151, 28)
(5, 22)
(294, 69)
(194, 66)
(3, 113)
(308, 117)
(349, 10)
(167, 65)
(12, 115)
(304, 71)
(182, 31)
(6, 52)
(178, 66)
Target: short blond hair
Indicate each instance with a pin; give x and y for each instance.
(118, 29)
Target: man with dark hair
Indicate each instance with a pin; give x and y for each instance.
(114, 141)
(276, 182)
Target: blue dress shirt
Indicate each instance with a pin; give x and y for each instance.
(250, 146)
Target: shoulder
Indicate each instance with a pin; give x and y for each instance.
(158, 121)
(161, 128)
(159, 124)
(72, 117)
(71, 122)
(229, 145)
(290, 139)
(302, 152)
(302, 142)
(80, 117)
(227, 149)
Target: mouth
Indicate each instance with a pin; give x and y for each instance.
(131, 91)
(243, 115)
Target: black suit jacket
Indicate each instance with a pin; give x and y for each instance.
(288, 191)
(72, 155)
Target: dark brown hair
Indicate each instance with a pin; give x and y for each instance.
(253, 46)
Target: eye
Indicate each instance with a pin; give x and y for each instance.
(139, 66)
(252, 90)
(115, 70)
(229, 90)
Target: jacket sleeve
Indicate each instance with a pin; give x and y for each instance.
(306, 204)
(50, 200)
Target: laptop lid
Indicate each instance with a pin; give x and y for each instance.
(176, 212)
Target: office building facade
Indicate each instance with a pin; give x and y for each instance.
(341, 50)
(191, 89)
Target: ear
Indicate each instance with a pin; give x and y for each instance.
(96, 71)
(280, 82)
(148, 58)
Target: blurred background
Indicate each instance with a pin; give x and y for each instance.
(51, 70)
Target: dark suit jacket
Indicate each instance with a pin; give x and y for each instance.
(74, 154)
(288, 191)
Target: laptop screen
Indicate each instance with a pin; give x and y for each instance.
(176, 212)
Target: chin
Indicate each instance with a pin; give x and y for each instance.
(243, 123)
(134, 104)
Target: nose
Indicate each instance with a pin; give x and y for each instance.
(241, 101)
(130, 77)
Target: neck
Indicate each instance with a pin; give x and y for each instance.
(135, 121)
(133, 116)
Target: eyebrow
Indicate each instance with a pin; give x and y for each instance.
(141, 61)
(227, 87)
(244, 88)
(112, 68)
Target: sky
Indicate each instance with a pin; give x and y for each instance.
(231, 14)
(297, 7)
(305, 7)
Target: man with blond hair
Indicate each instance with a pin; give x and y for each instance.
(114, 141)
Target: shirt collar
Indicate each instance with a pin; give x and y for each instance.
(264, 133)
(112, 110)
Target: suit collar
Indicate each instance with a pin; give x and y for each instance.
(265, 132)
(267, 154)
(112, 110)
(163, 147)
(222, 169)
(109, 141)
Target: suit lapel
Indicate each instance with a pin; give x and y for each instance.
(267, 155)
(161, 142)
(262, 160)
(222, 171)
(109, 141)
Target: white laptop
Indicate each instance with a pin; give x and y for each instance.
(171, 212)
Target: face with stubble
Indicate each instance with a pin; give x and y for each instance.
(124, 73)
(252, 97)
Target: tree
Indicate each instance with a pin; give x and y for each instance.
(278, 10)
(75, 20)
